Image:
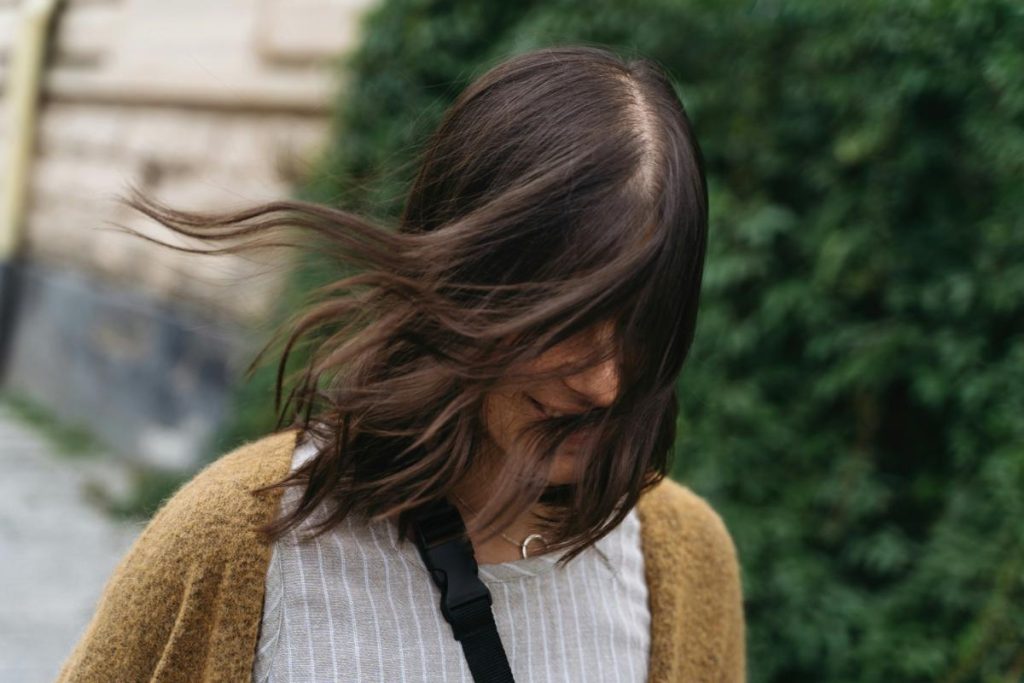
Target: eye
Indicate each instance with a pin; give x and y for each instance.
(536, 404)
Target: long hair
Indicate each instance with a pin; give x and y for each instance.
(563, 188)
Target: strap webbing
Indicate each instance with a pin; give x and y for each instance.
(446, 551)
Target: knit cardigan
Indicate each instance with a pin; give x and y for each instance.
(185, 602)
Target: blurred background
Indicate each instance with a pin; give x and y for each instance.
(854, 403)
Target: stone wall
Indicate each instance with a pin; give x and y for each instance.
(203, 105)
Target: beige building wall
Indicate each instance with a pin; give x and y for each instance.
(205, 104)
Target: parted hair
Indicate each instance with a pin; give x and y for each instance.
(563, 188)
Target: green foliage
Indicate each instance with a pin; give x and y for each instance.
(854, 404)
(855, 401)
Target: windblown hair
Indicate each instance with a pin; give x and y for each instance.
(563, 189)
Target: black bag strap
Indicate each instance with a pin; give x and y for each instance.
(440, 536)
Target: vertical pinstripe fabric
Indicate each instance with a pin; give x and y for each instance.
(356, 604)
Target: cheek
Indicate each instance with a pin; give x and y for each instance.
(504, 414)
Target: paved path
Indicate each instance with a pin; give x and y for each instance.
(56, 550)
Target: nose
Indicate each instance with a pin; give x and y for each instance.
(599, 384)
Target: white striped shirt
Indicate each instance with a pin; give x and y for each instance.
(358, 605)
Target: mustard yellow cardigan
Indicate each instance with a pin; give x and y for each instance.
(185, 602)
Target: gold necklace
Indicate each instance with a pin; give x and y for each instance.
(526, 541)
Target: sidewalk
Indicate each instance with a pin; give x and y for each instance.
(57, 550)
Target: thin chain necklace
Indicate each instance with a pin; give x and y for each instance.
(522, 546)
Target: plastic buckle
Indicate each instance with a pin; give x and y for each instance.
(448, 555)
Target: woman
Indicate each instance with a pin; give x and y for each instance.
(511, 349)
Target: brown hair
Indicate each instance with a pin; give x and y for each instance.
(563, 188)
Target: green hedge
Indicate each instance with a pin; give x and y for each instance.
(854, 404)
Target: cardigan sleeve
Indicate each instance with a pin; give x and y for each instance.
(155, 613)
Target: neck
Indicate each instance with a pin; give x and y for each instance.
(471, 494)
(469, 499)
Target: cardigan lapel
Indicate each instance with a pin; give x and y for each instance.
(662, 559)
